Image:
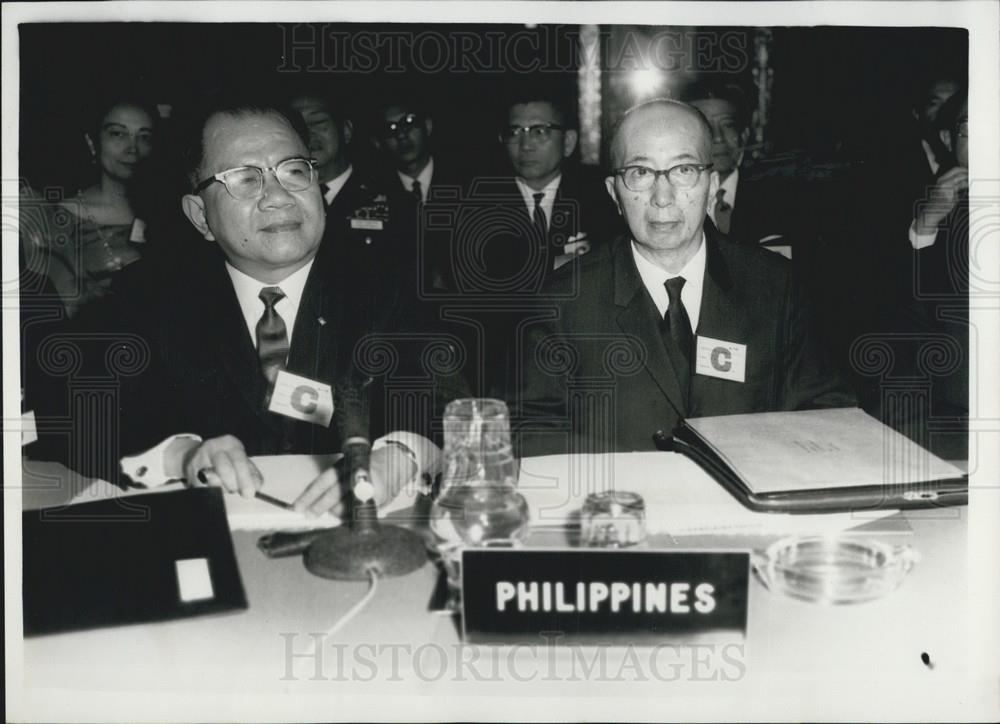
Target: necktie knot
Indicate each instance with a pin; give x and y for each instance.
(673, 287)
(271, 296)
(417, 190)
(538, 198)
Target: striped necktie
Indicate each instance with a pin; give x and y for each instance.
(272, 336)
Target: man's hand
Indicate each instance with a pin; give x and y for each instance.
(942, 198)
(222, 461)
(390, 469)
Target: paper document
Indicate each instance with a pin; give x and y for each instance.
(816, 450)
(285, 477)
(681, 498)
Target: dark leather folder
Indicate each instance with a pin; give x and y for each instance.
(128, 560)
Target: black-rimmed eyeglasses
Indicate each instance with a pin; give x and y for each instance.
(247, 182)
(538, 132)
(642, 178)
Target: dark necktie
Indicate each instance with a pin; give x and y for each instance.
(541, 227)
(678, 326)
(272, 336)
(723, 212)
(417, 191)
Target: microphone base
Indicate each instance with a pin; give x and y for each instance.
(348, 554)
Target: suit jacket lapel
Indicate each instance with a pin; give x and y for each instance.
(313, 347)
(723, 314)
(636, 320)
(235, 348)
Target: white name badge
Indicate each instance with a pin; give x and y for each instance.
(138, 233)
(302, 399)
(29, 430)
(717, 358)
(367, 224)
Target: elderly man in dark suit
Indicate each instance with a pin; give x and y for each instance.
(670, 321)
(268, 342)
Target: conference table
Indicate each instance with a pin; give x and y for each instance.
(905, 653)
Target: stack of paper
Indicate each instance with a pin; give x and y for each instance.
(817, 450)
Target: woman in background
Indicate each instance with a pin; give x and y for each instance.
(80, 242)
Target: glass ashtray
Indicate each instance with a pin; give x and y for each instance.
(833, 570)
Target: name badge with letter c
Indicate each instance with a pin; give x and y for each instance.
(718, 358)
(301, 398)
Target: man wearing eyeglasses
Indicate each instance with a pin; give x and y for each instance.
(561, 201)
(367, 221)
(255, 351)
(403, 132)
(671, 321)
(515, 230)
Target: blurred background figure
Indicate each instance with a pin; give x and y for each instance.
(364, 223)
(746, 208)
(402, 130)
(81, 242)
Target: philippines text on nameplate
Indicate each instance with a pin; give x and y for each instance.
(615, 596)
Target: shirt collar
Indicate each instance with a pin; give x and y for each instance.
(424, 177)
(248, 293)
(729, 187)
(529, 193)
(693, 272)
(332, 187)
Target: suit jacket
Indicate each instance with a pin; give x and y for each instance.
(432, 243)
(179, 358)
(597, 375)
(758, 212)
(369, 223)
(498, 249)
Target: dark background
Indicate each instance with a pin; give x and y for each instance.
(839, 94)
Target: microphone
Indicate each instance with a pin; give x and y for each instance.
(363, 546)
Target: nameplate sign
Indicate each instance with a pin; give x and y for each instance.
(600, 595)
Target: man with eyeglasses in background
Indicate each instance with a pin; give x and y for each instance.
(254, 351)
(560, 199)
(369, 222)
(678, 320)
(515, 229)
(403, 132)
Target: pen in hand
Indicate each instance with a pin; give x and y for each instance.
(208, 476)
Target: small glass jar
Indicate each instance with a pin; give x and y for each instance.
(613, 519)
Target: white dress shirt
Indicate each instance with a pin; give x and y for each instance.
(548, 200)
(693, 272)
(332, 187)
(424, 177)
(248, 293)
(728, 187)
